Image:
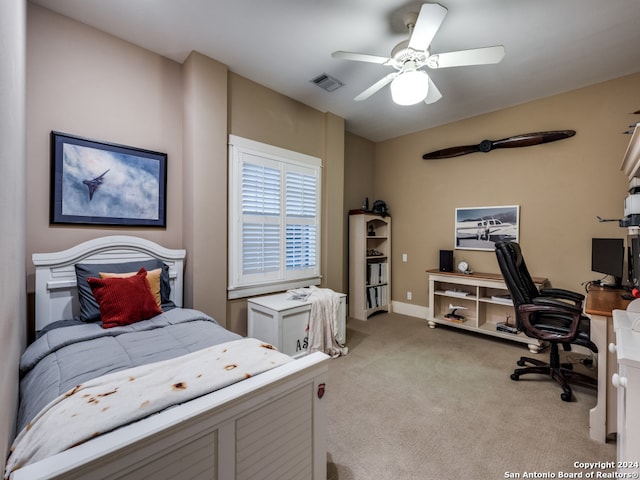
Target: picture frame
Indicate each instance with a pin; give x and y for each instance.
(99, 183)
(479, 228)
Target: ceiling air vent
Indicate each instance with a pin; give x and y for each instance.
(327, 82)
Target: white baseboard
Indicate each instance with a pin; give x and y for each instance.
(409, 309)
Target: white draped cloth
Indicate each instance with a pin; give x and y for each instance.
(107, 402)
(323, 322)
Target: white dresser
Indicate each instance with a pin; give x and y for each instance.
(627, 382)
(284, 323)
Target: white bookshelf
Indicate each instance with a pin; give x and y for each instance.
(484, 301)
(369, 264)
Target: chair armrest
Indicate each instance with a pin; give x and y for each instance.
(554, 302)
(561, 293)
(533, 318)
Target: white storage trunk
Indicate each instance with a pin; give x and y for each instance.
(284, 323)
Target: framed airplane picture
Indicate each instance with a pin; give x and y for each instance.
(99, 183)
(479, 228)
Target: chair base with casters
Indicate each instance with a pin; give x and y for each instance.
(562, 373)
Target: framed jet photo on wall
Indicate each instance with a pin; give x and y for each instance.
(100, 183)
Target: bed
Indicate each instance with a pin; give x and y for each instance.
(262, 421)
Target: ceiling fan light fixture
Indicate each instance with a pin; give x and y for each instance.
(410, 87)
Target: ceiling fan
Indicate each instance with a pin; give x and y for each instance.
(410, 84)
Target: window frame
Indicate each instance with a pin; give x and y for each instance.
(240, 285)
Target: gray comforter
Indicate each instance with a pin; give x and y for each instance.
(64, 357)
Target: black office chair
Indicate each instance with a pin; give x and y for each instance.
(552, 315)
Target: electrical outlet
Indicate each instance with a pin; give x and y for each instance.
(404, 257)
(409, 295)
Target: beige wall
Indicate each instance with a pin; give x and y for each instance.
(333, 225)
(261, 114)
(205, 184)
(125, 94)
(359, 166)
(12, 212)
(561, 187)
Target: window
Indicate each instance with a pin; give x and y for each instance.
(274, 218)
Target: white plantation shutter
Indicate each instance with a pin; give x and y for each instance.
(301, 233)
(260, 248)
(260, 188)
(261, 199)
(274, 218)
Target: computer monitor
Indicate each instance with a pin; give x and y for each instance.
(607, 257)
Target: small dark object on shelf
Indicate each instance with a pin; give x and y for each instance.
(506, 327)
(380, 208)
(454, 317)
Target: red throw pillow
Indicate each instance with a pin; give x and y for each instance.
(123, 301)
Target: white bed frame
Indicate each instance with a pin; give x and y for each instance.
(271, 426)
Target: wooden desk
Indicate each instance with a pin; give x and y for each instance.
(599, 305)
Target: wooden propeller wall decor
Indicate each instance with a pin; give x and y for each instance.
(485, 146)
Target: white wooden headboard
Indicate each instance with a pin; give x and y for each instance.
(56, 289)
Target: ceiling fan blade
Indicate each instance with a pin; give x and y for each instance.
(433, 94)
(475, 56)
(376, 86)
(359, 57)
(429, 20)
(485, 146)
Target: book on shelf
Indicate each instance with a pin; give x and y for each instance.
(457, 293)
(377, 296)
(377, 273)
(506, 299)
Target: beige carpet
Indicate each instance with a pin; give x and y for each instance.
(411, 402)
